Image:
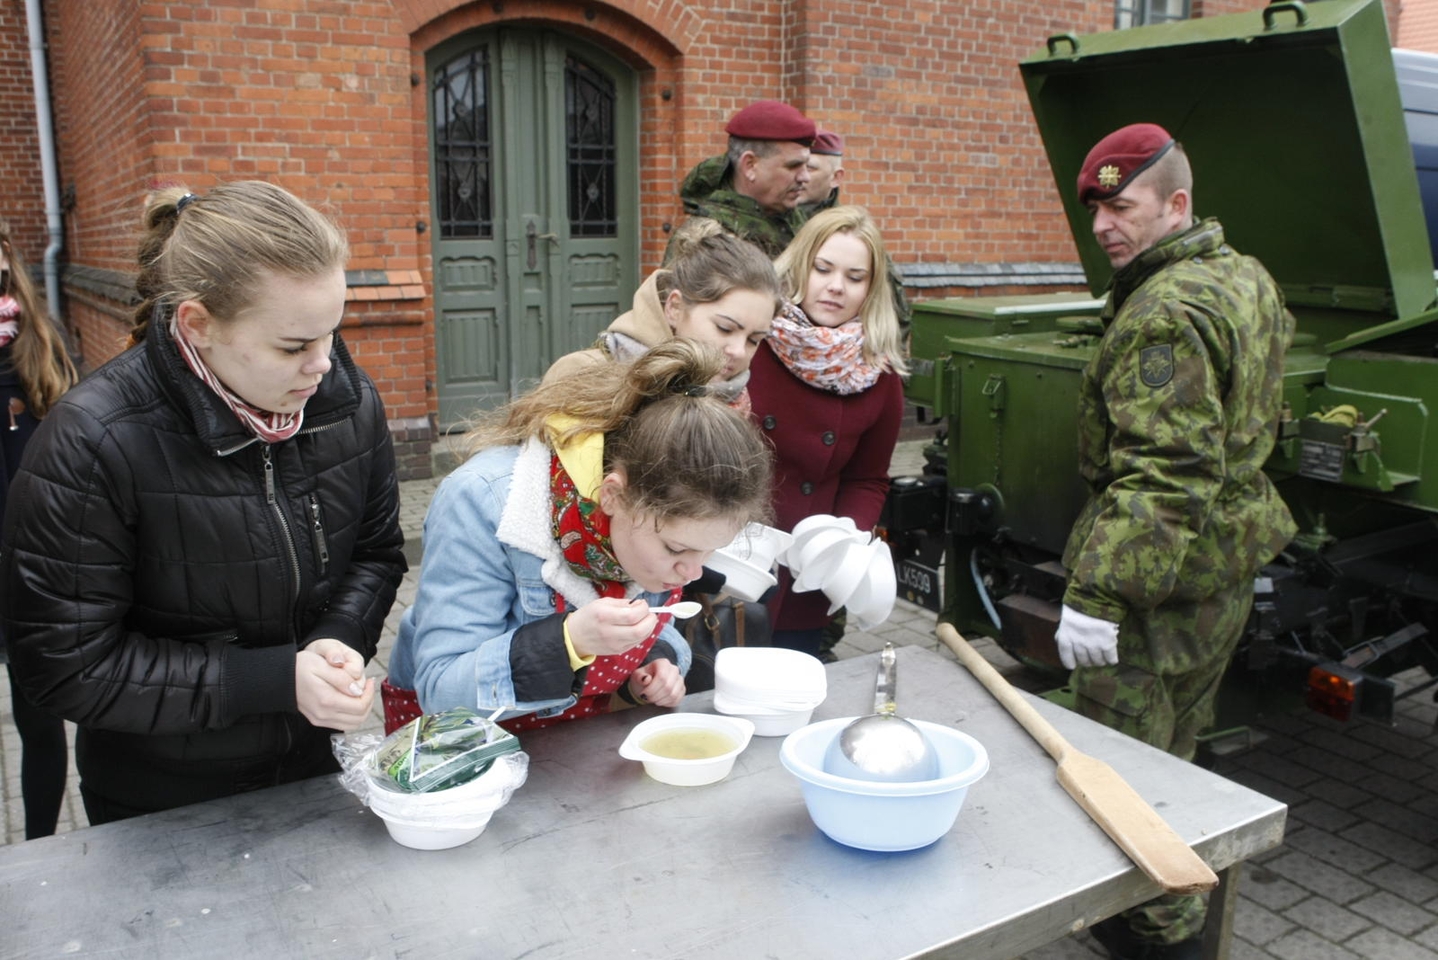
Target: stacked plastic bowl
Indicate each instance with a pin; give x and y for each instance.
(773, 688)
(853, 568)
(446, 818)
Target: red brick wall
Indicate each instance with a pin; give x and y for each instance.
(940, 143)
(318, 102)
(317, 96)
(23, 202)
(101, 126)
(1418, 27)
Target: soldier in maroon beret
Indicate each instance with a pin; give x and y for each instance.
(1178, 410)
(826, 172)
(1128, 222)
(754, 188)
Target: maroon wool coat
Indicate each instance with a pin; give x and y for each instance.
(831, 455)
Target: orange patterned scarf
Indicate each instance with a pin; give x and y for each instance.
(829, 358)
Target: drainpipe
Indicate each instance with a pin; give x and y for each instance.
(54, 223)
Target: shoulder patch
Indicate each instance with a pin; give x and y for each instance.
(1155, 365)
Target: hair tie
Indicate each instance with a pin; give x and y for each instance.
(696, 390)
(184, 202)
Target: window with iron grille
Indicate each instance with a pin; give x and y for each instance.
(1135, 13)
(589, 139)
(463, 151)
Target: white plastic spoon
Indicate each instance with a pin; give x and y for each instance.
(682, 610)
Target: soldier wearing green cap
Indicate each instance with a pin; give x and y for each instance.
(1178, 411)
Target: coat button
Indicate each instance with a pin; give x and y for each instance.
(806, 488)
(828, 438)
(769, 422)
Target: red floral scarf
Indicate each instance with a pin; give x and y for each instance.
(581, 529)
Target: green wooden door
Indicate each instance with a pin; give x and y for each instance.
(534, 158)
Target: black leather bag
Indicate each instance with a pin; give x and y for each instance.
(724, 622)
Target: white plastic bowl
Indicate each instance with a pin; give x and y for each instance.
(423, 836)
(875, 815)
(741, 578)
(850, 573)
(872, 601)
(759, 545)
(770, 675)
(687, 773)
(768, 721)
(440, 819)
(821, 520)
(815, 559)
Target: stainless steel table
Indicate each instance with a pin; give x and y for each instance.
(591, 859)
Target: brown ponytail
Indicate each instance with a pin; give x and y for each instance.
(705, 263)
(213, 248)
(684, 452)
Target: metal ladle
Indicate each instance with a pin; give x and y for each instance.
(882, 746)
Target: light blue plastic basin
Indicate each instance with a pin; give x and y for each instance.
(886, 817)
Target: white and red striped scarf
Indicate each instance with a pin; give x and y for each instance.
(269, 427)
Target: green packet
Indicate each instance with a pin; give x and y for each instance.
(437, 751)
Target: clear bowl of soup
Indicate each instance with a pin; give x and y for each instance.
(688, 749)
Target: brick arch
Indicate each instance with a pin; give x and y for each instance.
(651, 40)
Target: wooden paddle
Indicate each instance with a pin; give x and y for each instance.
(1105, 796)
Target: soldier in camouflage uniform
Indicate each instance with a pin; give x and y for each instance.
(1178, 412)
(754, 189)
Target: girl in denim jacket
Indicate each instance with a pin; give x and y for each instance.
(583, 503)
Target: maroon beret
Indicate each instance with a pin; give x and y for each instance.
(828, 143)
(771, 120)
(1119, 157)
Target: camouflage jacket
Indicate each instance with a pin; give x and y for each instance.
(706, 193)
(1177, 414)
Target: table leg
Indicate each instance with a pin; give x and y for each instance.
(1222, 902)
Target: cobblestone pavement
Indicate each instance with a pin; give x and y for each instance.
(1357, 874)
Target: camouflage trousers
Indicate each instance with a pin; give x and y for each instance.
(1167, 704)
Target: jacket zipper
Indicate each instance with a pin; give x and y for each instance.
(317, 530)
(274, 503)
(306, 431)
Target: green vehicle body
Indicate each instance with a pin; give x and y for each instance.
(1292, 121)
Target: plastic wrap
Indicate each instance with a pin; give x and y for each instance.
(447, 770)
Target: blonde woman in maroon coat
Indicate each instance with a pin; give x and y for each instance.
(827, 391)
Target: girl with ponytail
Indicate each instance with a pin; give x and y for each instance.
(203, 543)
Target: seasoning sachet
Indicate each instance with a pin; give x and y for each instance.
(437, 751)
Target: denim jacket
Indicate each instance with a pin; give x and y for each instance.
(490, 567)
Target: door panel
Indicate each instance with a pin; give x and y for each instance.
(534, 146)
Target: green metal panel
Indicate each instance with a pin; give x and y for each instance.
(1292, 121)
(936, 322)
(1393, 393)
(1018, 425)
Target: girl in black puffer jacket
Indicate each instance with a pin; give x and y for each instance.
(203, 543)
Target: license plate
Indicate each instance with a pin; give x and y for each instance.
(919, 584)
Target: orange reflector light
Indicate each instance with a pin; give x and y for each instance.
(1333, 690)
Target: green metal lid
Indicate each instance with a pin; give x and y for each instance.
(1292, 121)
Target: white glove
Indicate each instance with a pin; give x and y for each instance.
(1086, 641)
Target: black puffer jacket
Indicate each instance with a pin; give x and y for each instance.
(161, 566)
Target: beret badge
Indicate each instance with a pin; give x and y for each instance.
(1109, 176)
